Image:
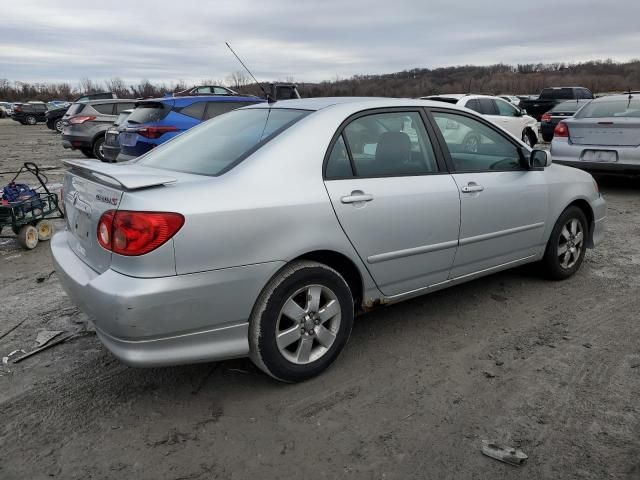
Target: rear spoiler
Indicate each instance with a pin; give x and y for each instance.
(130, 177)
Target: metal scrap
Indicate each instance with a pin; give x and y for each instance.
(48, 345)
(45, 336)
(510, 455)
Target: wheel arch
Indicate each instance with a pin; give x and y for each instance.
(341, 264)
(584, 205)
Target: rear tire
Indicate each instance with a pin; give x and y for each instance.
(87, 152)
(57, 125)
(567, 245)
(97, 149)
(301, 321)
(28, 237)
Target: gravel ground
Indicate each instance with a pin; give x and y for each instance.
(550, 367)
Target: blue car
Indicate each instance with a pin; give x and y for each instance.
(155, 121)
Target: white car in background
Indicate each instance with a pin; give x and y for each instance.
(498, 111)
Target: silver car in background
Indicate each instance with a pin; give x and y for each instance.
(263, 231)
(85, 123)
(604, 136)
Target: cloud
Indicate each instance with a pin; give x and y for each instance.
(307, 40)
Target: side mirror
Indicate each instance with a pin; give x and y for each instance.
(539, 159)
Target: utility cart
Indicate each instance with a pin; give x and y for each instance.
(29, 212)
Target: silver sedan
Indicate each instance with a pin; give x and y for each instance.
(262, 232)
(603, 136)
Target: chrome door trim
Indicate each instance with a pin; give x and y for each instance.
(407, 252)
(501, 233)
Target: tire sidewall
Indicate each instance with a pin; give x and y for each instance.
(551, 258)
(31, 120)
(96, 149)
(55, 126)
(264, 349)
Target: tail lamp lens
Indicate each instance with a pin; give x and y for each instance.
(136, 233)
(546, 117)
(80, 119)
(155, 132)
(561, 130)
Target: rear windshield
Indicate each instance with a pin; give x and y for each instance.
(444, 99)
(621, 107)
(557, 93)
(75, 108)
(216, 146)
(570, 106)
(149, 112)
(121, 118)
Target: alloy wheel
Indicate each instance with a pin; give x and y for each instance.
(570, 243)
(308, 324)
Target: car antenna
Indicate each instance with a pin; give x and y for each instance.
(269, 98)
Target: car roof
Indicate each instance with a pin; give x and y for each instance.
(356, 103)
(106, 100)
(188, 100)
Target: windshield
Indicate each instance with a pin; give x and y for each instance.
(619, 107)
(216, 146)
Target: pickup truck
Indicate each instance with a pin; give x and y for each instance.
(550, 97)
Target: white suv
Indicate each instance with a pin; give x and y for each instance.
(499, 111)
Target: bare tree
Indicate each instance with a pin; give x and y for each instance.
(89, 86)
(117, 85)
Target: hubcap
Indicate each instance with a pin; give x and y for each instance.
(308, 324)
(570, 243)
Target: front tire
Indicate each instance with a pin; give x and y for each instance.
(31, 120)
(57, 125)
(567, 245)
(529, 138)
(301, 321)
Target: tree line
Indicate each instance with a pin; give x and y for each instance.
(599, 76)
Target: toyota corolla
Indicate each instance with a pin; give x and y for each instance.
(262, 232)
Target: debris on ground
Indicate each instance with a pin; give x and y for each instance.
(489, 374)
(45, 277)
(45, 336)
(49, 345)
(13, 328)
(587, 345)
(6, 359)
(510, 455)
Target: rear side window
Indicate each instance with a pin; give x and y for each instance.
(120, 107)
(104, 108)
(195, 110)
(474, 105)
(338, 165)
(220, 91)
(76, 108)
(488, 106)
(218, 108)
(149, 112)
(390, 144)
(214, 147)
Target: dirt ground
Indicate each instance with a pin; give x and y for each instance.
(550, 367)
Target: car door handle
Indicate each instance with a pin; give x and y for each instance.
(356, 196)
(472, 187)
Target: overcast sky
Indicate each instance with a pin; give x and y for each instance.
(65, 40)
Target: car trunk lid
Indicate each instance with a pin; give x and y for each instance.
(613, 131)
(92, 188)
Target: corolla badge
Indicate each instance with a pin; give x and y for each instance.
(105, 199)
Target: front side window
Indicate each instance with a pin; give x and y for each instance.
(488, 106)
(206, 90)
(387, 144)
(505, 109)
(474, 146)
(220, 91)
(216, 146)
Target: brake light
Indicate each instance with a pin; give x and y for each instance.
(80, 119)
(155, 132)
(561, 130)
(546, 117)
(17, 108)
(136, 233)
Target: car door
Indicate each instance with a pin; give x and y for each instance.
(394, 199)
(510, 118)
(503, 204)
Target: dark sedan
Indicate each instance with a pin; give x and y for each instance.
(558, 113)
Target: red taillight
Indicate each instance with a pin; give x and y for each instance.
(17, 108)
(155, 132)
(546, 117)
(561, 130)
(136, 233)
(80, 119)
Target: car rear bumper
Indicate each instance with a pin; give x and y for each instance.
(73, 142)
(565, 153)
(171, 320)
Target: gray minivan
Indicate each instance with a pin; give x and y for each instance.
(85, 124)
